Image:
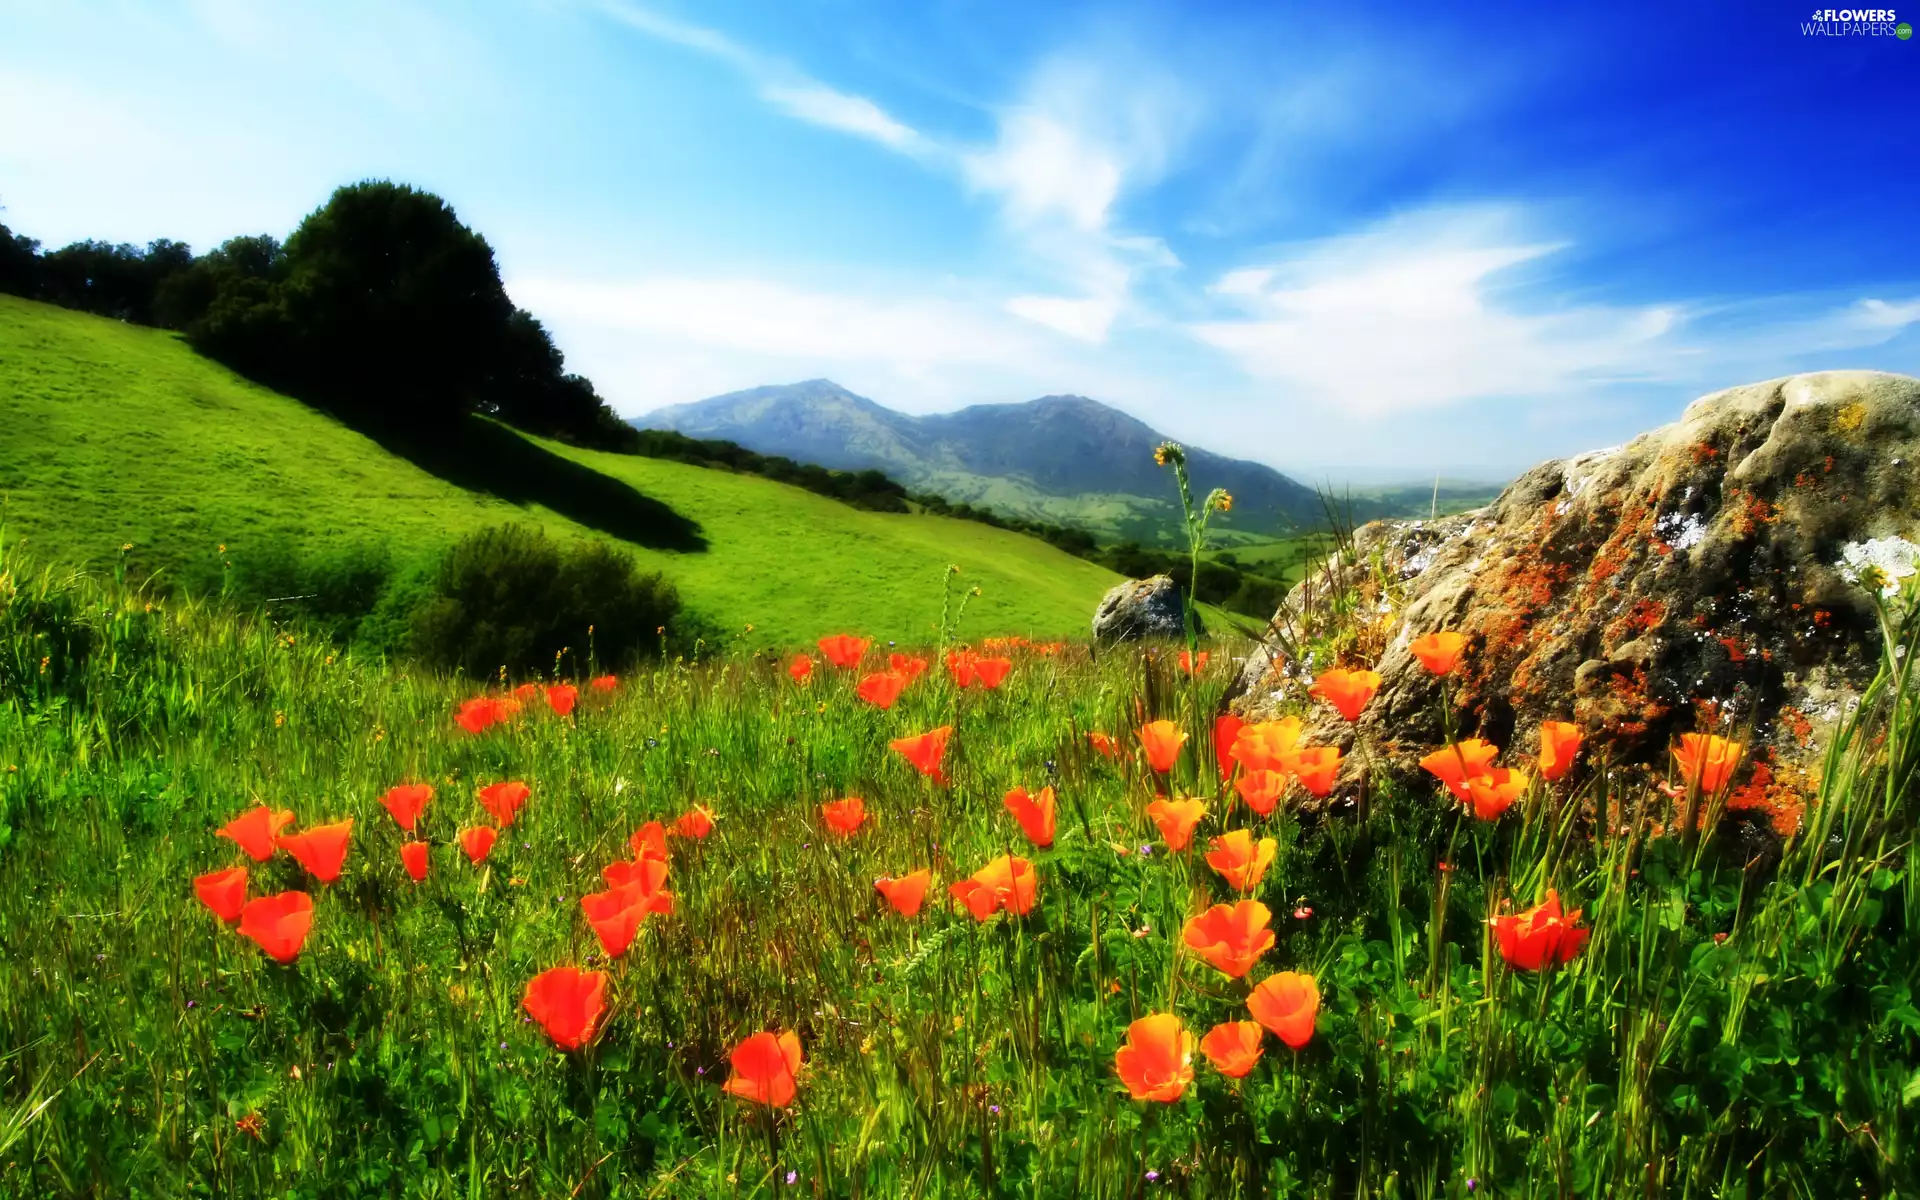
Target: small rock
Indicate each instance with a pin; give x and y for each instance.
(1141, 608)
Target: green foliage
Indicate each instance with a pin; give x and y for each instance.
(870, 490)
(1729, 1030)
(510, 599)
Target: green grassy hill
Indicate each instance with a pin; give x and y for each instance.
(117, 435)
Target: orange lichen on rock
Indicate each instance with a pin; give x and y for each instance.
(1777, 792)
(1645, 615)
(1796, 723)
(1749, 516)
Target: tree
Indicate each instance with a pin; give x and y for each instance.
(394, 308)
(19, 263)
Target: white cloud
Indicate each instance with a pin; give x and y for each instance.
(1065, 154)
(820, 105)
(779, 83)
(1412, 314)
(1045, 170)
(761, 317)
(1881, 315)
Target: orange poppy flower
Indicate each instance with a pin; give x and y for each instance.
(1288, 1004)
(568, 1003)
(1233, 1047)
(478, 842)
(1347, 691)
(526, 693)
(801, 668)
(1162, 741)
(906, 893)
(844, 650)
(482, 713)
(1267, 746)
(642, 878)
(765, 1069)
(278, 924)
(1103, 742)
(960, 667)
(907, 665)
(881, 689)
(1035, 813)
(1006, 882)
(649, 841)
(1439, 652)
(504, 800)
(224, 892)
(604, 683)
(990, 673)
(406, 802)
(1493, 793)
(413, 856)
(1458, 762)
(1157, 1061)
(1540, 936)
(1707, 760)
(1231, 936)
(843, 817)
(695, 823)
(1226, 727)
(925, 751)
(1176, 819)
(1261, 790)
(561, 698)
(617, 913)
(1192, 665)
(1241, 861)
(1559, 744)
(322, 850)
(1317, 768)
(254, 831)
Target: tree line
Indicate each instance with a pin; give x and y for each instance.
(382, 307)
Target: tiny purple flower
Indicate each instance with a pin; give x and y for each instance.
(1473, 1185)
(791, 1176)
(1146, 852)
(1153, 1177)
(994, 1109)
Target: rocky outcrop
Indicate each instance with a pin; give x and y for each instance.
(1141, 608)
(1716, 574)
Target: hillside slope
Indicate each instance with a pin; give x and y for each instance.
(112, 434)
(1062, 458)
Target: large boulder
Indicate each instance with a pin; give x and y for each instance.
(1715, 574)
(1141, 608)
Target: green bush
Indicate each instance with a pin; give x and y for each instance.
(512, 597)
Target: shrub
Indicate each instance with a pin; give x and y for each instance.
(512, 597)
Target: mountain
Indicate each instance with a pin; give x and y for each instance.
(1061, 458)
(115, 435)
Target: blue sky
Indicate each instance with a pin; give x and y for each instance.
(1348, 240)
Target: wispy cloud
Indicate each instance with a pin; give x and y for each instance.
(1083, 133)
(1422, 312)
(1454, 306)
(780, 83)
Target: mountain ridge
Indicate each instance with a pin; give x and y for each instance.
(1060, 457)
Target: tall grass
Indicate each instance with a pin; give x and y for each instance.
(145, 1050)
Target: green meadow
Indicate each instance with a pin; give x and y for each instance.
(1725, 1028)
(117, 435)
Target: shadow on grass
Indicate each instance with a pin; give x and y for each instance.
(483, 456)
